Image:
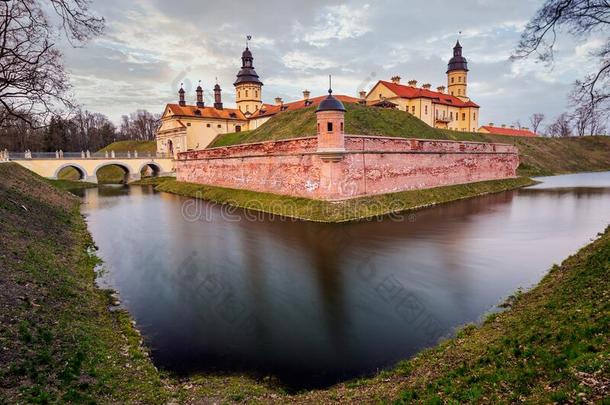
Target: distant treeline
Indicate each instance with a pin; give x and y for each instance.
(83, 130)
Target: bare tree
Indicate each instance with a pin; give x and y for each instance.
(561, 126)
(588, 122)
(140, 125)
(535, 121)
(33, 82)
(580, 18)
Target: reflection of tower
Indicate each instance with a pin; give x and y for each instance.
(248, 87)
(457, 73)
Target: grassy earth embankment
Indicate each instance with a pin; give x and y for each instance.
(58, 340)
(539, 156)
(348, 210)
(60, 343)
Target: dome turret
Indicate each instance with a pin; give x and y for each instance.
(247, 74)
(330, 103)
(457, 62)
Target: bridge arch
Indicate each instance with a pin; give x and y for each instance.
(81, 170)
(125, 167)
(154, 167)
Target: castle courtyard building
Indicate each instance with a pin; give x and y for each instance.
(186, 127)
(448, 107)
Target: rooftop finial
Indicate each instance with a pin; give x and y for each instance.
(248, 38)
(330, 87)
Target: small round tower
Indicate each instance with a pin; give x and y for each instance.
(330, 117)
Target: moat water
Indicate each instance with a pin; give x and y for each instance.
(231, 291)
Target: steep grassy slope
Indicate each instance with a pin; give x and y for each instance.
(539, 156)
(59, 343)
(125, 146)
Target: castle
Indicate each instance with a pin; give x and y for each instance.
(186, 127)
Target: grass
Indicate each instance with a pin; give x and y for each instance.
(349, 210)
(60, 343)
(539, 156)
(151, 181)
(71, 184)
(130, 146)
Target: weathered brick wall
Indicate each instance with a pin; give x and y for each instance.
(372, 165)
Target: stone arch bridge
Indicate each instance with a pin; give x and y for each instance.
(50, 164)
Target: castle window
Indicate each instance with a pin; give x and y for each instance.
(237, 128)
(246, 93)
(452, 92)
(459, 92)
(426, 110)
(318, 127)
(452, 79)
(460, 79)
(474, 115)
(219, 126)
(463, 116)
(188, 124)
(256, 93)
(208, 125)
(413, 109)
(341, 127)
(451, 115)
(329, 126)
(239, 94)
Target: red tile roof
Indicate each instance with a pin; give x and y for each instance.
(206, 112)
(508, 131)
(271, 109)
(415, 92)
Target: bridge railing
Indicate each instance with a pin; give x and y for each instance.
(6, 155)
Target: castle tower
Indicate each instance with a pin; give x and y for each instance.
(217, 97)
(199, 92)
(181, 100)
(457, 73)
(248, 87)
(330, 121)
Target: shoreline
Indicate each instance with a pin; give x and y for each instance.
(356, 209)
(557, 327)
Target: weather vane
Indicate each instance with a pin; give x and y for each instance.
(248, 38)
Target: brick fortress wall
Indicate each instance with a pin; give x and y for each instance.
(369, 166)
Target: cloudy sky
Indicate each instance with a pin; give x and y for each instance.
(151, 46)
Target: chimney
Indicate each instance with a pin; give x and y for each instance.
(440, 89)
(278, 101)
(413, 83)
(199, 92)
(306, 94)
(426, 86)
(396, 79)
(181, 101)
(217, 97)
(362, 95)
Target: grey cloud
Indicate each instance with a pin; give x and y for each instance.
(153, 45)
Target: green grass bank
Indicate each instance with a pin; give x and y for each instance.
(539, 156)
(59, 342)
(348, 210)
